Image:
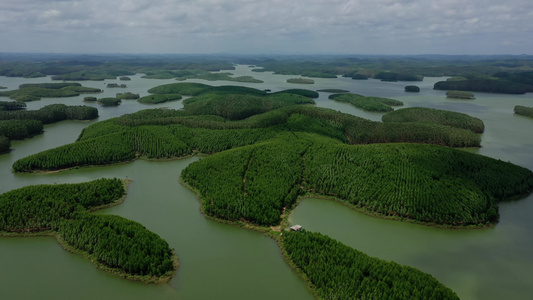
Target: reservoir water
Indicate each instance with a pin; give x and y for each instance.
(219, 261)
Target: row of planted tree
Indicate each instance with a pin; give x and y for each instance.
(339, 272)
(166, 133)
(422, 183)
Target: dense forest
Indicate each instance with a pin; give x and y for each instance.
(523, 110)
(36, 91)
(340, 272)
(412, 88)
(523, 83)
(18, 124)
(108, 101)
(460, 95)
(203, 126)
(306, 149)
(127, 96)
(155, 99)
(100, 67)
(424, 183)
(119, 245)
(375, 104)
(435, 116)
(498, 74)
(301, 80)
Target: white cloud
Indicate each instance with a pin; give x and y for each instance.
(253, 26)
(51, 13)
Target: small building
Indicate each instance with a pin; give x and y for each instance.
(296, 227)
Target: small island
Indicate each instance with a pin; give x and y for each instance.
(116, 85)
(373, 104)
(301, 80)
(127, 96)
(108, 101)
(90, 99)
(36, 91)
(159, 98)
(524, 111)
(334, 91)
(460, 95)
(412, 88)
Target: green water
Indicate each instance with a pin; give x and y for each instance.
(219, 261)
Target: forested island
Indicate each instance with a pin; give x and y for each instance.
(412, 88)
(154, 99)
(435, 116)
(108, 101)
(32, 92)
(375, 104)
(524, 111)
(300, 80)
(340, 272)
(116, 85)
(519, 83)
(127, 96)
(113, 243)
(16, 123)
(460, 95)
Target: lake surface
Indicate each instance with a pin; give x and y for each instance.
(219, 261)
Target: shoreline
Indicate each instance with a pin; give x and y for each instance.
(114, 271)
(41, 172)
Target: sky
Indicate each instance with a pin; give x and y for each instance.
(268, 26)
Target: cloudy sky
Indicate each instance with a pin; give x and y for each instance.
(268, 26)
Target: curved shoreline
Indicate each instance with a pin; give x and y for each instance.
(275, 232)
(115, 271)
(363, 210)
(118, 163)
(268, 231)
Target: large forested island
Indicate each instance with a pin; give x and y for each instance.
(262, 152)
(272, 148)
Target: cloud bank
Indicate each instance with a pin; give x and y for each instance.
(268, 26)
